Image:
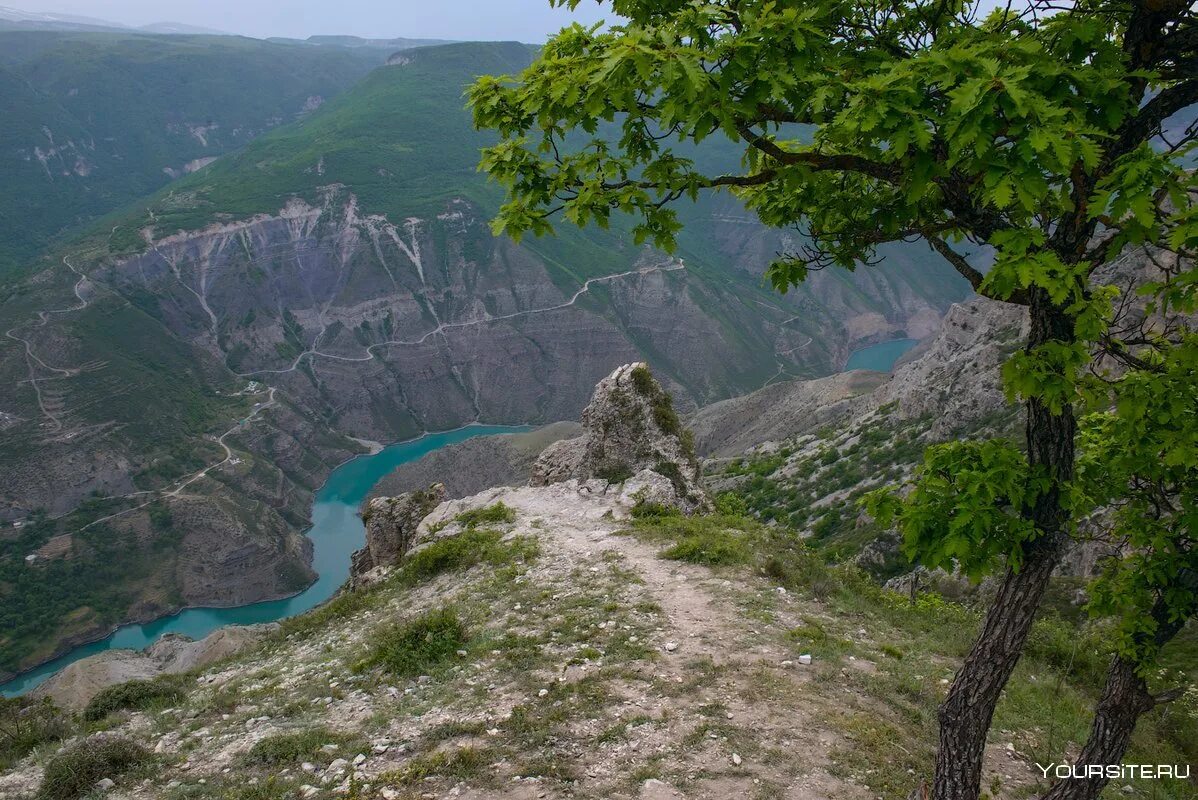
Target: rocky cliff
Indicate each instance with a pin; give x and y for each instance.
(391, 524)
(629, 429)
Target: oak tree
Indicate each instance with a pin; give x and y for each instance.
(1034, 128)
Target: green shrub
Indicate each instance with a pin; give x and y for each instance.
(660, 401)
(614, 471)
(26, 724)
(412, 647)
(648, 509)
(463, 763)
(713, 548)
(642, 381)
(460, 552)
(730, 504)
(134, 696)
(668, 469)
(283, 749)
(75, 771)
(496, 514)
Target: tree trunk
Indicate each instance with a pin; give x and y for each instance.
(1124, 699)
(968, 709)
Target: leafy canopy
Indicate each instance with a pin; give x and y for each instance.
(1034, 129)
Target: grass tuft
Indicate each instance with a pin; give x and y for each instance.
(138, 695)
(496, 514)
(413, 647)
(284, 749)
(74, 772)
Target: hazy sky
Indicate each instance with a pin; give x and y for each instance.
(523, 20)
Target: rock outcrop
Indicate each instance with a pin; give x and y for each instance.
(75, 685)
(391, 524)
(629, 428)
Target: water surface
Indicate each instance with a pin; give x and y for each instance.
(335, 533)
(879, 357)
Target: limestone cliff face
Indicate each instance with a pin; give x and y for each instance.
(394, 327)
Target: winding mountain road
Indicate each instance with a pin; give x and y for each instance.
(444, 326)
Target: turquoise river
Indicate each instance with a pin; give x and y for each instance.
(336, 532)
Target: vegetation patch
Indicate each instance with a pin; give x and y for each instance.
(712, 540)
(75, 771)
(413, 647)
(462, 763)
(649, 509)
(136, 695)
(495, 514)
(284, 749)
(465, 550)
(613, 471)
(26, 725)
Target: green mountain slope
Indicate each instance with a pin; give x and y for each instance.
(93, 121)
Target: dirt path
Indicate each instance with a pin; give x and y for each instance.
(733, 713)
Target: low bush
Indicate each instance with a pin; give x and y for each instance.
(27, 724)
(458, 553)
(613, 471)
(74, 772)
(291, 748)
(648, 509)
(134, 696)
(413, 647)
(713, 548)
(462, 764)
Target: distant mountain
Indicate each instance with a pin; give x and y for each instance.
(16, 19)
(181, 28)
(358, 41)
(92, 121)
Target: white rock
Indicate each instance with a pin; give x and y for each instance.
(671, 646)
(805, 658)
(359, 759)
(736, 760)
(104, 784)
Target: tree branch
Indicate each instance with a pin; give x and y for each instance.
(967, 270)
(819, 161)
